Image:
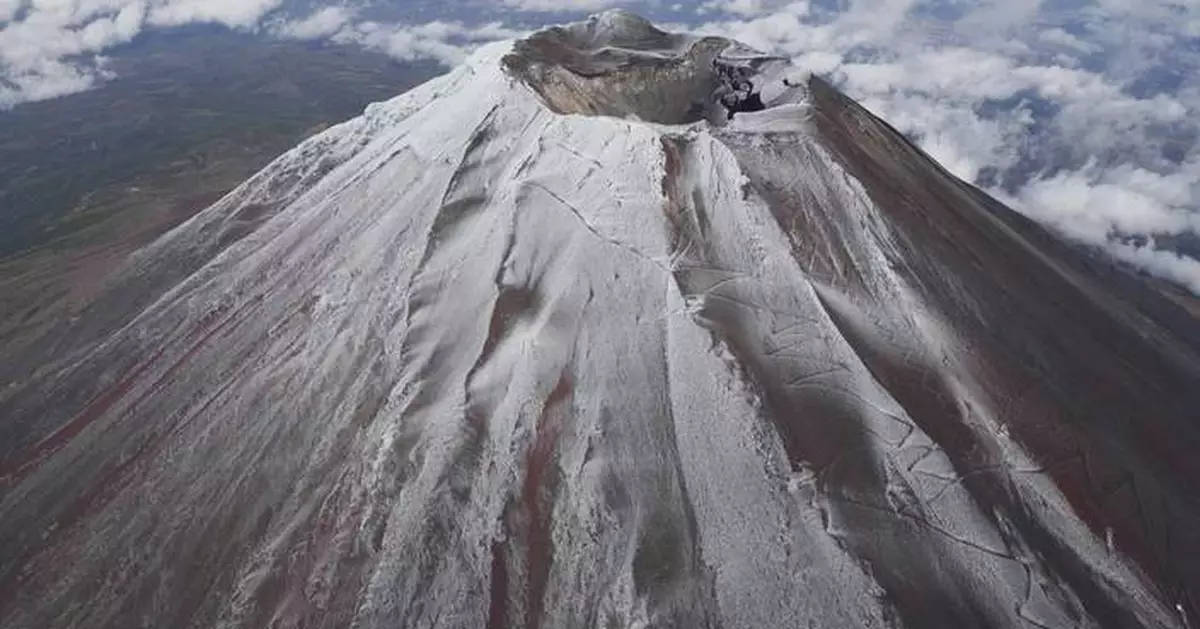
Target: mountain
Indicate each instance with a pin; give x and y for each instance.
(551, 341)
(88, 178)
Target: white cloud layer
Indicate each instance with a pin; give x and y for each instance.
(557, 6)
(325, 22)
(447, 42)
(232, 13)
(49, 48)
(1084, 119)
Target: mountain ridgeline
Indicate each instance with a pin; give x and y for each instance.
(555, 340)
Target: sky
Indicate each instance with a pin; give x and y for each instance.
(1079, 113)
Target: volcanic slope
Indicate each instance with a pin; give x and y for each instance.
(551, 342)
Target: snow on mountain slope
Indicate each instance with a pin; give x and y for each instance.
(548, 343)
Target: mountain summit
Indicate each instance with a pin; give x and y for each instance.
(606, 328)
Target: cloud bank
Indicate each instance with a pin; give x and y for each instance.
(445, 41)
(51, 48)
(1082, 115)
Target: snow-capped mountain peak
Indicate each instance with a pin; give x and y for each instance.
(608, 327)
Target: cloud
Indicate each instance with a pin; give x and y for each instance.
(8, 9)
(448, 42)
(243, 14)
(1057, 37)
(1085, 120)
(1179, 269)
(562, 6)
(1096, 204)
(44, 81)
(744, 8)
(325, 22)
(54, 49)
(51, 48)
